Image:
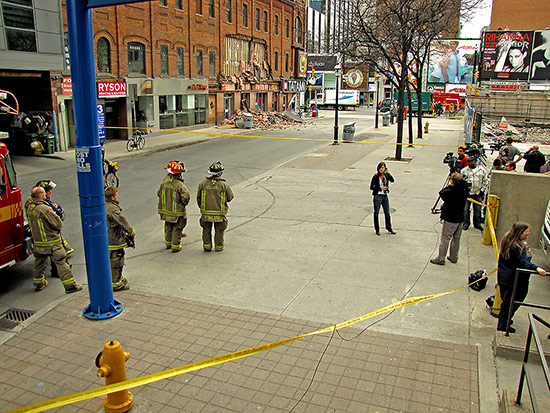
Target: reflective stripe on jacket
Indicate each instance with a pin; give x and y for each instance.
(45, 226)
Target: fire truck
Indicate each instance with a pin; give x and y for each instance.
(15, 240)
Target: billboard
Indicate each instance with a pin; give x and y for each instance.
(507, 55)
(452, 60)
(540, 60)
(322, 63)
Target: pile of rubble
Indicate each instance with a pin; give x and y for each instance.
(503, 129)
(262, 120)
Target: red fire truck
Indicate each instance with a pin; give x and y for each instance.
(15, 240)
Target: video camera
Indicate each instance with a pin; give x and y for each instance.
(475, 150)
(454, 163)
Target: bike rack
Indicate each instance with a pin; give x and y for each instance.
(525, 374)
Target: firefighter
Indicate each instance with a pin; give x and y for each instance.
(45, 229)
(173, 198)
(48, 185)
(121, 235)
(213, 195)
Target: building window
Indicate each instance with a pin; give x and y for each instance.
(210, 8)
(199, 63)
(212, 65)
(276, 61)
(19, 25)
(287, 28)
(136, 58)
(265, 21)
(276, 28)
(199, 6)
(245, 15)
(258, 19)
(179, 61)
(103, 55)
(179, 4)
(286, 62)
(298, 33)
(228, 11)
(163, 60)
(163, 3)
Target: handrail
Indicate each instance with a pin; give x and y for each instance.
(520, 303)
(525, 375)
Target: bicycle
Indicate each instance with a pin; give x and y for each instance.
(110, 177)
(137, 141)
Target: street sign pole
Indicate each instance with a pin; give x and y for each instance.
(88, 163)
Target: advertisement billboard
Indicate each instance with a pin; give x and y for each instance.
(452, 60)
(540, 60)
(322, 63)
(507, 55)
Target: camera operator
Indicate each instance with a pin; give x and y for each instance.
(534, 159)
(476, 177)
(462, 157)
(452, 215)
(508, 152)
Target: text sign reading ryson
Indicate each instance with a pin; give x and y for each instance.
(111, 89)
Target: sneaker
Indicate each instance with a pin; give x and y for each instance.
(451, 260)
(177, 248)
(510, 329)
(377, 232)
(40, 287)
(434, 261)
(73, 289)
(391, 231)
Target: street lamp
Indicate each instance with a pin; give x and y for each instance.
(376, 82)
(337, 73)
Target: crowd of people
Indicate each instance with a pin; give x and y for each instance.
(46, 223)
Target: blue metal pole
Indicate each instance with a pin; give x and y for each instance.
(88, 163)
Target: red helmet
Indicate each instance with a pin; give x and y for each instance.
(175, 168)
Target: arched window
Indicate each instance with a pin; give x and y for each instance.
(103, 55)
(298, 32)
(136, 58)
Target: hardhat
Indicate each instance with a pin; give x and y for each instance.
(47, 184)
(175, 168)
(215, 169)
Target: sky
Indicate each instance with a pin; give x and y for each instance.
(482, 18)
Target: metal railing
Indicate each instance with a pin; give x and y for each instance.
(525, 374)
(513, 301)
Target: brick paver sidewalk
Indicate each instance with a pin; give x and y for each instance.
(373, 372)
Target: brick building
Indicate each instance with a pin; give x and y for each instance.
(516, 15)
(183, 62)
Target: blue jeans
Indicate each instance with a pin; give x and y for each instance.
(478, 221)
(385, 202)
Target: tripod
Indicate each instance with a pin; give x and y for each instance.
(435, 209)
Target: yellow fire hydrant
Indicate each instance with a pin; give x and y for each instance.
(112, 365)
(426, 126)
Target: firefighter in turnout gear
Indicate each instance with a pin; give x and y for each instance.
(173, 198)
(45, 229)
(212, 197)
(121, 235)
(48, 185)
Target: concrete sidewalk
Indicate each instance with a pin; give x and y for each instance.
(298, 257)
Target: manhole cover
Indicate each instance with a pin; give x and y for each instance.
(13, 317)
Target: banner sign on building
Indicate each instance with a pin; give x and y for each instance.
(302, 64)
(507, 55)
(101, 121)
(67, 86)
(322, 63)
(111, 89)
(452, 60)
(540, 60)
(293, 86)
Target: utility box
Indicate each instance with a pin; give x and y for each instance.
(349, 131)
(248, 120)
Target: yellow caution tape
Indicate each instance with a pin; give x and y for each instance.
(213, 361)
(491, 227)
(280, 137)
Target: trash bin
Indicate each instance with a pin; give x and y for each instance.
(48, 142)
(248, 120)
(386, 119)
(349, 131)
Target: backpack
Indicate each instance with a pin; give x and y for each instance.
(475, 277)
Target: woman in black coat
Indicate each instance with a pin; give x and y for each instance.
(514, 253)
(380, 187)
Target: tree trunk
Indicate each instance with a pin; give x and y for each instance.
(400, 108)
(409, 111)
(419, 97)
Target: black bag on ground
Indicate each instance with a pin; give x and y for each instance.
(476, 276)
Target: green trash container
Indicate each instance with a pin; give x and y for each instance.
(48, 141)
